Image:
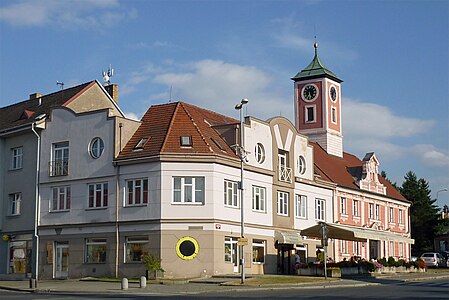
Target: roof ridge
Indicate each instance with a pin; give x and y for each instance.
(170, 125)
(197, 127)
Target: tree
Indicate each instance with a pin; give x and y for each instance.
(423, 212)
(384, 175)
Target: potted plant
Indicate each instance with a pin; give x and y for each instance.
(153, 266)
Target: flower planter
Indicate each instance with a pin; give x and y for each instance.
(154, 274)
(334, 273)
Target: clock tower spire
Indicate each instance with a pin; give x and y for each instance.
(318, 105)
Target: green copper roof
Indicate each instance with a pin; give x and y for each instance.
(315, 69)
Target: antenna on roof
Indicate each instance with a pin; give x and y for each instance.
(60, 83)
(107, 75)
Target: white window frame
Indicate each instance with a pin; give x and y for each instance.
(301, 206)
(333, 114)
(231, 243)
(259, 153)
(196, 187)
(356, 249)
(60, 159)
(96, 147)
(320, 209)
(391, 248)
(343, 206)
(391, 219)
(231, 194)
(138, 189)
(344, 247)
(401, 249)
(103, 190)
(95, 242)
(371, 210)
(15, 202)
(401, 216)
(282, 203)
(16, 158)
(63, 194)
(257, 245)
(301, 165)
(306, 113)
(355, 208)
(259, 198)
(377, 212)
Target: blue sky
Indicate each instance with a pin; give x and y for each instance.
(392, 56)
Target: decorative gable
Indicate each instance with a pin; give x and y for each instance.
(26, 114)
(369, 179)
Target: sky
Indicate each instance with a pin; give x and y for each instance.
(391, 55)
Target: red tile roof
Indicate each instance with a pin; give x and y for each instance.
(338, 170)
(24, 112)
(164, 125)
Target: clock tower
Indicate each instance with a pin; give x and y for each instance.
(318, 106)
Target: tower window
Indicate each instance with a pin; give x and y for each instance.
(334, 115)
(310, 114)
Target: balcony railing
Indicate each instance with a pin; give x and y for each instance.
(285, 174)
(59, 168)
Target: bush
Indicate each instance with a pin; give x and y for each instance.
(391, 261)
(152, 263)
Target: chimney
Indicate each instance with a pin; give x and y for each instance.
(112, 90)
(35, 96)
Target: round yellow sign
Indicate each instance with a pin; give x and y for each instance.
(187, 248)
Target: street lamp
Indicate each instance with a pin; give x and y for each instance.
(242, 155)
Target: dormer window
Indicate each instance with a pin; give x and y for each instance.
(139, 146)
(218, 144)
(186, 141)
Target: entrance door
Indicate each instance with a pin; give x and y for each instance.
(62, 260)
(232, 252)
(374, 249)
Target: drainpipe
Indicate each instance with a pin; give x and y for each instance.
(117, 235)
(35, 273)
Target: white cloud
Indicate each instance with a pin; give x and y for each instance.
(68, 14)
(364, 119)
(218, 85)
(132, 116)
(431, 156)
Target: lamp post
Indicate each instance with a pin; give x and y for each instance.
(242, 155)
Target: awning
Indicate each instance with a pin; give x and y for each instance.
(288, 237)
(351, 233)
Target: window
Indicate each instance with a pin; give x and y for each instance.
(61, 198)
(14, 204)
(391, 215)
(343, 206)
(137, 192)
(259, 199)
(300, 207)
(188, 190)
(96, 147)
(310, 114)
(401, 249)
(60, 164)
(282, 203)
(401, 217)
(139, 146)
(344, 247)
(371, 211)
(301, 165)
(95, 251)
(186, 141)
(230, 193)
(320, 209)
(333, 115)
(98, 195)
(356, 248)
(377, 212)
(259, 153)
(136, 248)
(16, 158)
(355, 208)
(231, 250)
(258, 251)
(391, 248)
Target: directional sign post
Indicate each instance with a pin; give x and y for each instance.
(323, 232)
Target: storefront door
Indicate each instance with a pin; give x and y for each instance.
(61, 260)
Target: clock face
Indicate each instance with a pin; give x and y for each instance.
(333, 93)
(309, 92)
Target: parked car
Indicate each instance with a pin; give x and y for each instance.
(445, 255)
(433, 259)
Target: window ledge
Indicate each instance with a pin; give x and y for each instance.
(59, 211)
(97, 208)
(135, 205)
(187, 203)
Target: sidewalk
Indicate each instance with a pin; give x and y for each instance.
(167, 287)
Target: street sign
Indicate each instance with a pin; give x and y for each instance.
(242, 241)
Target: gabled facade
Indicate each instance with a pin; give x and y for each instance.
(22, 130)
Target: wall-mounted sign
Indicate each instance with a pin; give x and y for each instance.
(187, 248)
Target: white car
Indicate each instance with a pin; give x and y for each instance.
(433, 259)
